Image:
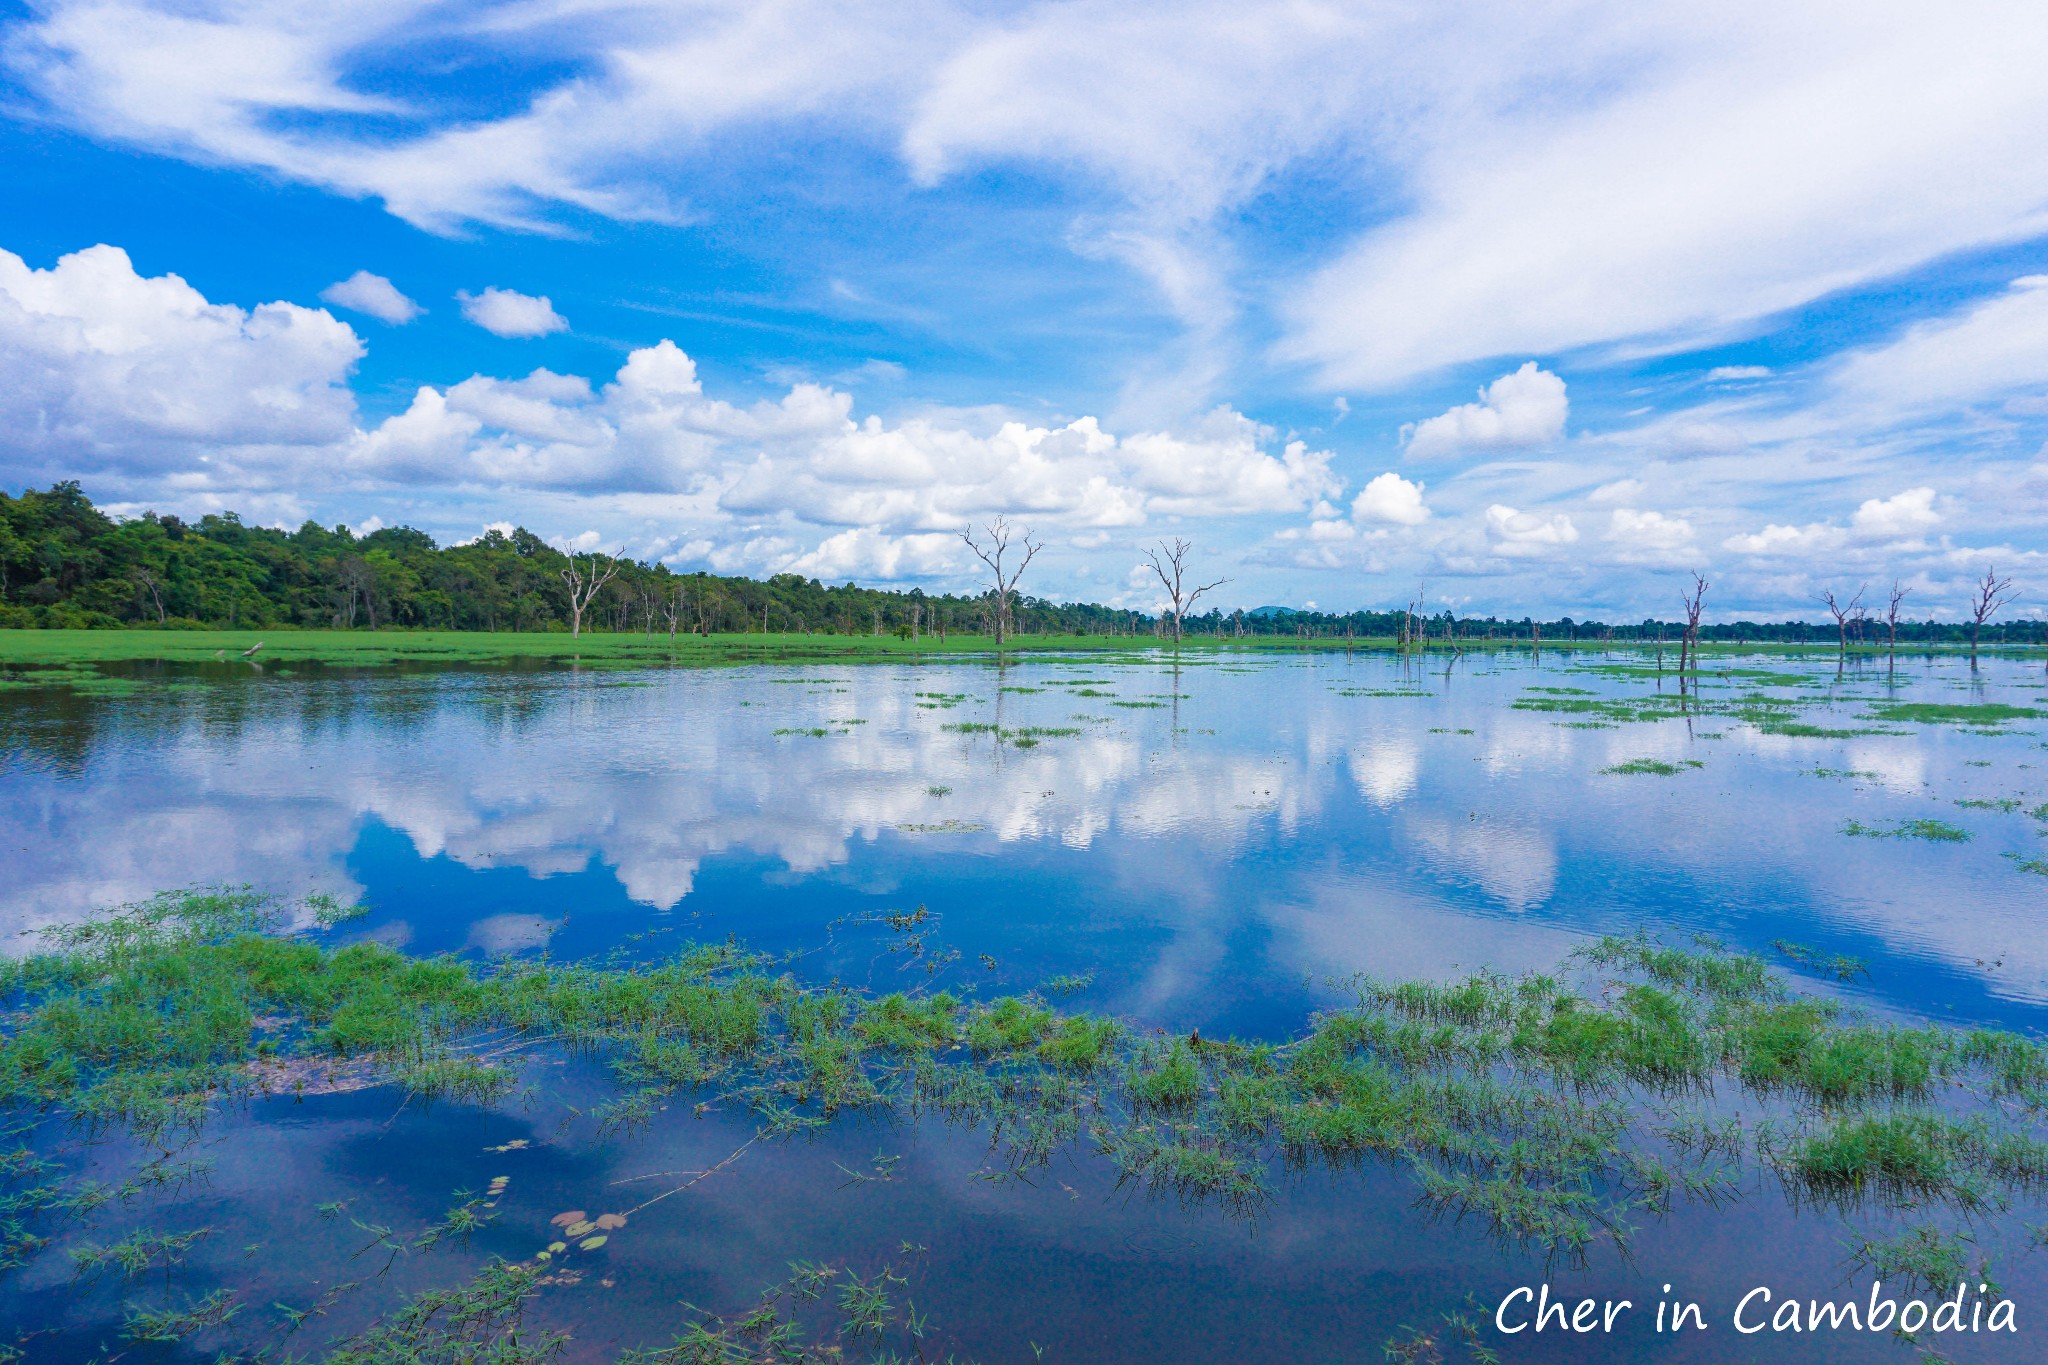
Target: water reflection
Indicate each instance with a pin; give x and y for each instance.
(1180, 832)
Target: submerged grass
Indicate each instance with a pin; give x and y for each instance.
(1551, 1107)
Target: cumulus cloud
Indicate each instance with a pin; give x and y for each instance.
(509, 313)
(374, 295)
(1776, 540)
(110, 370)
(1651, 531)
(1903, 514)
(165, 392)
(1513, 532)
(1390, 498)
(1518, 411)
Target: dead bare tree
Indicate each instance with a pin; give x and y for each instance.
(151, 584)
(586, 575)
(1844, 613)
(1689, 643)
(1000, 534)
(1891, 615)
(673, 606)
(1170, 563)
(1992, 594)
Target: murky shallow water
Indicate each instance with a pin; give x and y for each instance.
(1211, 849)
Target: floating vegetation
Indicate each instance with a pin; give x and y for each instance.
(944, 827)
(1859, 774)
(1839, 967)
(938, 791)
(1542, 1107)
(1936, 713)
(813, 731)
(1135, 705)
(1653, 767)
(1799, 729)
(2007, 804)
(2037, 866)
(1381, 692)
(1935, 831)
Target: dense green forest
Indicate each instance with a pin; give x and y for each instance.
(65, 563)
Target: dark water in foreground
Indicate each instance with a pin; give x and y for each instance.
(1211, 848)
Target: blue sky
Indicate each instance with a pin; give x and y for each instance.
(1542, 307)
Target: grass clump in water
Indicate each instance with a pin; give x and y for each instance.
(1652, 767)
(1934, 831)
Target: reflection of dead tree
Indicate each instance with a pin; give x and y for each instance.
(1000, 533)
(1844, 613)
(1993, 593)
(1689, 643)
(1170, 563)
(586, 575)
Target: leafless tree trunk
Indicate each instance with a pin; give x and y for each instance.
(1993, 593)
(1891, 621)
(1000, 534)
(672, 608)
(1689, 643)
(152, 585)
(1169, 562)
(586, 575)
(1843, 612)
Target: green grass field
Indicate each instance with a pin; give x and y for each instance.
(384, 648)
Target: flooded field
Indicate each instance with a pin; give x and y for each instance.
(1256, 1007)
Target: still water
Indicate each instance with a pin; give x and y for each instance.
(1216, 845)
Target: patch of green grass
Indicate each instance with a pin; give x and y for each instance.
(1934, 831)
(1549, 1106)
(1653, 767)
(1938, 713)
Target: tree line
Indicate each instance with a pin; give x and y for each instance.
(66, 563)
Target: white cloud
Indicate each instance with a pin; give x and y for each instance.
(1516, 532)
(1650, 531)
(1993, 347)
(1722, 374)
(1786, 541)
(108, 369)
(509, 313)
(1518, 411)
(1903, 514)
(1620, 490)
(865, 553)
(373, 295)
(1390, 498)
(1689, 168)
(1686, 169)
(165, 396)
